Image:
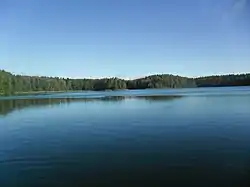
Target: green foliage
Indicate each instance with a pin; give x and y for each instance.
(161, 81)
(11, 84)
(224, 80)
(6, 83)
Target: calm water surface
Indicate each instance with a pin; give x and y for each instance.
(180, 137)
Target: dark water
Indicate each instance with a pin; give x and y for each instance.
(184, 137)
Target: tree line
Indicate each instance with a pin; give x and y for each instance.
(223, 80)
(12, 84)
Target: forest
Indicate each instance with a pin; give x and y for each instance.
(223, 80)
(15, 84)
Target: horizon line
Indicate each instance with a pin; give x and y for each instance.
(126, 78)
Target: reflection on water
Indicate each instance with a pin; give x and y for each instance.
(9, 105)
(127, 140)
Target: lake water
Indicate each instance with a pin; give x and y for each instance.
(179, 137)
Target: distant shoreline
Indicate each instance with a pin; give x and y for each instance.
(22, 85)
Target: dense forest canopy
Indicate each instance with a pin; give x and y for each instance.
(224, 80)
(11, 84)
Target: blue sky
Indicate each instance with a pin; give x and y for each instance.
(124, 38)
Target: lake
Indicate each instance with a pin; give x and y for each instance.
(174, 137)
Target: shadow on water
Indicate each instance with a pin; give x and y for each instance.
(9, 105)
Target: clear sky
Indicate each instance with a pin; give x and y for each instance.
(124, 38)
